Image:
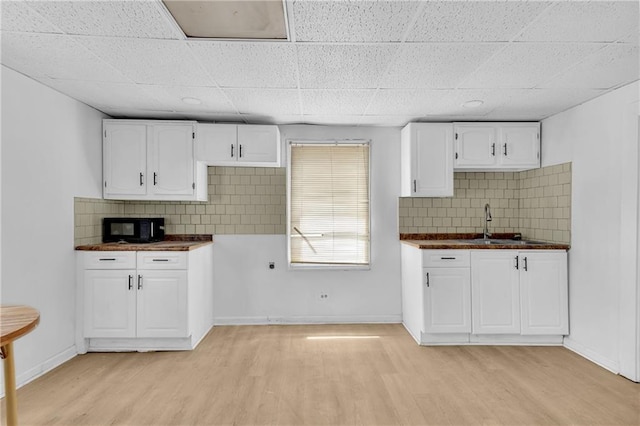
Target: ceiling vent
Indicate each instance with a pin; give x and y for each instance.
(230, 19)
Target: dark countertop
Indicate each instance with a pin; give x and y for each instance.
(170, 243)
(466, 242)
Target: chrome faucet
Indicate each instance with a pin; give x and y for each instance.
(487, 219)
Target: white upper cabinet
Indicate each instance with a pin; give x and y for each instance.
(152, 160)
(427, 160)
(125, 159)
(171, 159)
(239, 145)
(497, 146)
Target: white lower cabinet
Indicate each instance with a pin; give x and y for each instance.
(485, 296)
(496, 292)
(447, 292)
(161, 301)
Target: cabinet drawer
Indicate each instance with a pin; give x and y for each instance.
(162, 260)
(109, 260)
(446, 258)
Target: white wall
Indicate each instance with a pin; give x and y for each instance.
(51, 152)
(602, 142)
(246, 291)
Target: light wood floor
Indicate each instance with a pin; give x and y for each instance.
(274, 375)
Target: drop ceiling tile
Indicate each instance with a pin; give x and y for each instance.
(343, 66)
(268, 102)
(159, 62)
(436, 66)
(452, 105)
(335, 102)
(125, 96)
(405, 102)
(474, 21)
(144, 114)
(170, 97)
(541, 103)
(240, 64)
(525, 65)
(55, 56)
(332, 120)
(18, 16)
(615, 65)
(388, 120)
(343, 21)
(598, 21)
(137, 19)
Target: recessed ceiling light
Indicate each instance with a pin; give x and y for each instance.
(241, 19)
(191, 101)
(472, 104)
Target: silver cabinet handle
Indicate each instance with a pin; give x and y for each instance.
(526, 266)
(130, 282)
(427, 279)
(231, 150)
(517, 262)
(139, 282)
(493, 149)
(110, 259)
(155, 178)
(240, 150)
(141, 181)
(160, 260)
(447, 258)
(414, 186)
(505, 149)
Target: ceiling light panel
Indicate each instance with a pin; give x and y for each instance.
(346, 21)
(612, 66)
(136, 19)
(241, 64)
(436, 66)
(245, 19)
(474, 21)
(526, 65)
(18, 16)
(330, 102)
(55, 56)
(598, 21)
(160, 62)
(343, 66)
(265, 101)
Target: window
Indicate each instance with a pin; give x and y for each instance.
(328, 204)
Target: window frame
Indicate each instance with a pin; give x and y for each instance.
(327, 266)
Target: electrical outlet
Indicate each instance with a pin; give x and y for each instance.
(324, 296)
(272, 265)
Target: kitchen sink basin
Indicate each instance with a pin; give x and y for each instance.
(492, 241)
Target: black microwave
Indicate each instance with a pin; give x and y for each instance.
(132, 230)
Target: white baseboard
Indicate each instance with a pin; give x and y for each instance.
(43, 368)
(591, 355)
(385, 319)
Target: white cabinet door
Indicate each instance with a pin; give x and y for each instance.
(431, 160)
(171, 158)
(495, 290)
(162, 303)
(259, 144)
(124, 159)
(109, 303)
(543, 293)
(476, 145)
(447, 300)
(520, 145)
(217, 144)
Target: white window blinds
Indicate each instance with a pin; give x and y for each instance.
(329, 204)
